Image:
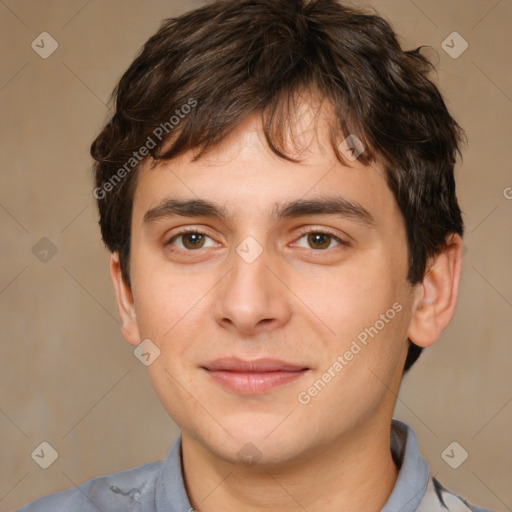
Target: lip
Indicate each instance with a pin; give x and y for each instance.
(253, 377)
(233, 364)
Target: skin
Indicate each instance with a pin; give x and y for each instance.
(300, 301)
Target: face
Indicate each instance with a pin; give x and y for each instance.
(243, 257)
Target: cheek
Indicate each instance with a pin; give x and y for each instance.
(350, 297)
(168, 305)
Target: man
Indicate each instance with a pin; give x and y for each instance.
(276, 188)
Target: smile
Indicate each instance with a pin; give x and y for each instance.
(253, 377)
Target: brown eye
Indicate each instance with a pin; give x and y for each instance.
(190, 240)
(319, 240)
(193, 240)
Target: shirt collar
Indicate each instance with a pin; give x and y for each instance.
(171, 495)
(410, 487)
(413, 475)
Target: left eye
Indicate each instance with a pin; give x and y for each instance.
(320, 240)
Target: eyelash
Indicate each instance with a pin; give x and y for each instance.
(302, 234)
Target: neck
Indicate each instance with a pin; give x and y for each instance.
(354, 472)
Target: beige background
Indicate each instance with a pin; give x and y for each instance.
(68, 377)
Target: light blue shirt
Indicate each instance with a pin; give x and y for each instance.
(159, 486)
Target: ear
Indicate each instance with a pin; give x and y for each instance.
(129, 328)
(436, 295)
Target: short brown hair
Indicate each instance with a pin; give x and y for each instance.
(234, 57)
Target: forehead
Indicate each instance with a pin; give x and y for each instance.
(242, 175)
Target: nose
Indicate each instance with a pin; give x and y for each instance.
(252, 298)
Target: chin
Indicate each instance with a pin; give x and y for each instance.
(255, 438)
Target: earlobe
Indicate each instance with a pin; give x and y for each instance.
(125, 305)
(437, 294)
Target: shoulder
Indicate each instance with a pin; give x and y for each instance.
(438, 498)
(108, 493)
(415, 489)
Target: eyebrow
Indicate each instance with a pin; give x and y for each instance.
(330, 205)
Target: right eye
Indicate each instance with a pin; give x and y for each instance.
(192, 239)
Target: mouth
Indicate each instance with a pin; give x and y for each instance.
(253, 377)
